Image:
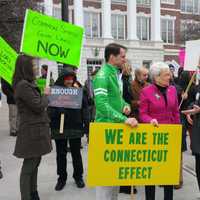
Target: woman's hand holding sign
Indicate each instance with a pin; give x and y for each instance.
(154, 122)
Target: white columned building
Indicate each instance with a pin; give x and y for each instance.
(132, 19)
(48, 8)
(155, 20)
(106, 19)
(78, 12)
(140, 51)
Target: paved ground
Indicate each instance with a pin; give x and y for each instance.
(9, 185)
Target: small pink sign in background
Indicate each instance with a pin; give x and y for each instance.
(181, 57)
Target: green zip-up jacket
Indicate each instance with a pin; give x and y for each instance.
(108, 95)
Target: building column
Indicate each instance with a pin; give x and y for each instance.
(132, 19)
(155, 21)
(48, 7)
(106, 19)
(78, 12)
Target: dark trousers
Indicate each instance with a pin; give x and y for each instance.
(197, 166)
(28, 177)
(61, 150)
(150, 192)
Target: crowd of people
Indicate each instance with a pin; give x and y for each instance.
(111, 94)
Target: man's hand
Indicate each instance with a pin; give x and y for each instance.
(127, 110)
(154, 122)
(132, 122)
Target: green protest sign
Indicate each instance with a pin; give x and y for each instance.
(8, 57)
(47, 37)
(41, 83)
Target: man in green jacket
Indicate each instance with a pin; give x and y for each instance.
(110, 105)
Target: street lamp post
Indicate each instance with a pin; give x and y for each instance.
(65, 10)
(65, 14)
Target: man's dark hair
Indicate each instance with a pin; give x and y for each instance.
(23, 69)
(45, 67)
(113, 49)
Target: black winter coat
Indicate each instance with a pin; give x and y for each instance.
(33, 137)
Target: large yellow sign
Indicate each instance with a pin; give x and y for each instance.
(146, 155)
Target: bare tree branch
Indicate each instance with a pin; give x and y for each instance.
(12, 14)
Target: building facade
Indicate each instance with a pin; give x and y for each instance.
(152, 30)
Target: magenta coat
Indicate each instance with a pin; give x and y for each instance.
(153, 106)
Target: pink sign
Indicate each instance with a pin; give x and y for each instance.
(181, 57)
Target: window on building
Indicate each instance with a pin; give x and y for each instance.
(144, 2)
(184, 29)
(147, 63)
(119, 1)
(57, 12)
(92, 24)
(118, 26)
(190, 30)
(60, 68)
(190, 6)
(93, 64)
(40, 6)
(196, 4)
(143, 28)
(168, 1)
(167, 29)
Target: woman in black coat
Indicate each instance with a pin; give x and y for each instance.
(74, 128)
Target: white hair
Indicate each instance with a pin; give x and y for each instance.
(156, 69)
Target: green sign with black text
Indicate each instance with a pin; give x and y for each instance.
(8, 57)
(47, 37)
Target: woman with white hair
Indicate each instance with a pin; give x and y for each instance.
(159, 105)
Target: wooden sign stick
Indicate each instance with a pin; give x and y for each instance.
(132, 193)
(62, 120)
